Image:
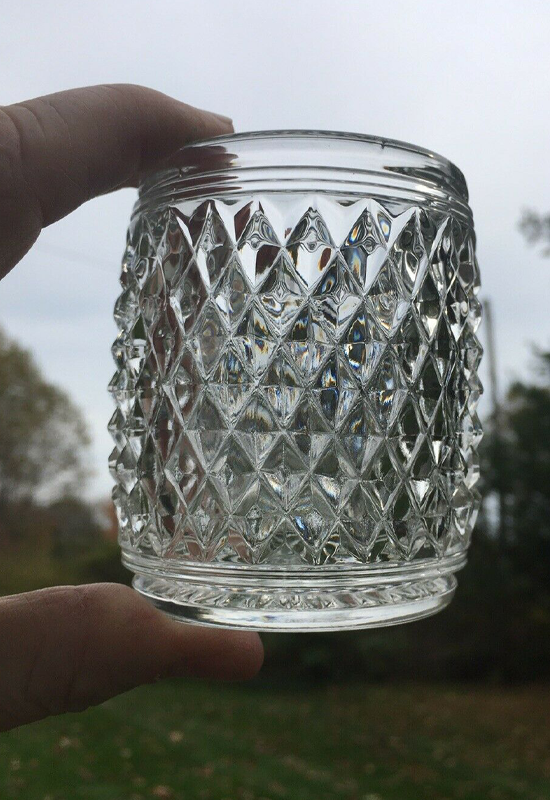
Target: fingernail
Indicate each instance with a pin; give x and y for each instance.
(222, 118)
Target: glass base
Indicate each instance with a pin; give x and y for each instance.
(318, 600)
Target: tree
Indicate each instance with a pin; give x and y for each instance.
(42, 434)
(74, 527)
(523, 475)
(536, 228)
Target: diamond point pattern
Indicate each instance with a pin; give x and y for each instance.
(296, 382)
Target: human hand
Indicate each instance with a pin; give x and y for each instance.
(66, 648)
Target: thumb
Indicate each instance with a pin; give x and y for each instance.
(70, 647)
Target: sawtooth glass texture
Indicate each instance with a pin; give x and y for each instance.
(296, 381)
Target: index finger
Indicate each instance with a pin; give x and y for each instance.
(60, 150)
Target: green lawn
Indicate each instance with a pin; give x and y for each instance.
(177, 740)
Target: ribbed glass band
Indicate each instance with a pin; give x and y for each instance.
(305, 161)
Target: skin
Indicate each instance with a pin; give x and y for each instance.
(71, 647)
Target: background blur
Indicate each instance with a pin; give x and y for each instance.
(452, 707)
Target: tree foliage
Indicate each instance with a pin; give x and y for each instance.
(536, 229)
(521, 474)
(42, 434)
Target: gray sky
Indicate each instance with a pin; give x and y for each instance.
(470, 80)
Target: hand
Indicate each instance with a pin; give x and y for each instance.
(66, 648)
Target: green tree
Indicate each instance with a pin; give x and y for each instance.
(74, 528)
(42, 434)
(522, 475)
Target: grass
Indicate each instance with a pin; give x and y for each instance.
(179, 740)
(192, 740)
(29, 567)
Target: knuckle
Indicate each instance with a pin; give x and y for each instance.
(50, 680)
(84, 606)
(78, 604)
(129, 93)
(20, 203)
(72, 666)
(96, 605)
(12, 165)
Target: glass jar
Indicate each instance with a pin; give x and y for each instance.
(296, 382)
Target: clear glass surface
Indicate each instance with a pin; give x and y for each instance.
(295, 427)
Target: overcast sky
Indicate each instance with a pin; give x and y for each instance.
(470, 80)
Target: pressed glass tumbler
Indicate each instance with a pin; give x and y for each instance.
(296, 382)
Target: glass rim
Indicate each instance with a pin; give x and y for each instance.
(276, 134)
(294, 160)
